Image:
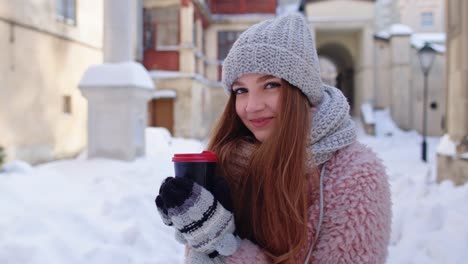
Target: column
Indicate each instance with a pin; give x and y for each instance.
(117, 90)
(452, 153)
(401, 101)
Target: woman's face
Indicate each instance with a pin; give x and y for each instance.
(258, 102)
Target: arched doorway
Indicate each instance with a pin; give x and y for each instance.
(343, 61)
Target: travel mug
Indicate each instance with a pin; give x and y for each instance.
(199, 167)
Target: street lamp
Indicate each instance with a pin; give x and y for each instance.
(426, 57)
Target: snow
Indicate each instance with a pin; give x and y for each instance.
(400, 29)
(159, 75)
(446, 146)
(429, 37)
(164, 94)
(436, 40)
(287, 8)
(464, 155)
(102, 211)
(367, 113)
(121, 74)
(429, 219)
(383, 34)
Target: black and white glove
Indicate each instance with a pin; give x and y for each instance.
(199, 218)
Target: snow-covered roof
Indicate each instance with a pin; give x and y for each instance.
(383, 34)
(159, 75)
(164, 94)
(439, 48)
(436, 40)
(430, 37)
(116, 74)
(169, 74)
(247, 18)
(400, 29)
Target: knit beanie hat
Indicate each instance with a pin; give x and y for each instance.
(282, 47)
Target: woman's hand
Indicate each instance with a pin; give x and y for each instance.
(199, 219)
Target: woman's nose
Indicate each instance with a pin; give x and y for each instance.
(255, 103)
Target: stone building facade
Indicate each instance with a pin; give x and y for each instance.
(185, 43)
(45, 48)
(182, 43)
(452, 156)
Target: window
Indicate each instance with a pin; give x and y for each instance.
(66, 11)
(165, 25)
(148, 34)
(225, 41)
(427, 19)
(194, 33)
(67, 104)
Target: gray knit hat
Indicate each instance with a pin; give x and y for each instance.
(283, 47)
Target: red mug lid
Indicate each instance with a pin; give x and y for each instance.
(205, 156)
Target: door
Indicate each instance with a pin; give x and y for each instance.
(161, 113)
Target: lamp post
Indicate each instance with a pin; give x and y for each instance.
(426, 58)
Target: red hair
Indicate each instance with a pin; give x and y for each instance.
(270, 201)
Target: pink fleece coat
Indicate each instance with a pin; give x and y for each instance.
(357, 213)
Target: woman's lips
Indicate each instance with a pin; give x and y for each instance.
(260, 122)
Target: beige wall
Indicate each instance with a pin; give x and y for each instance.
(197, 105)
(40, 14)
(361, 10)
(349, 24)
(182, 104)
(454, 166)
(43, 61)
(365, 68)
(187, 45)
(383, 87)
(457, 70)
(435, 93)
(410, 14)
(401, 81)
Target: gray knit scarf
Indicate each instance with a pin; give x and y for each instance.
(332, 128)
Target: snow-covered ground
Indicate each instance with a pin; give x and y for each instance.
(102, 211)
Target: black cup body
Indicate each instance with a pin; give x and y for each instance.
(202, 173)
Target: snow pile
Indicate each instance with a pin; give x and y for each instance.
(95, 212)
(429, 219)
(446, 147)
(367, 113)
(102, 211)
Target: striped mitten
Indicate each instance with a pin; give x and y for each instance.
(199, 219)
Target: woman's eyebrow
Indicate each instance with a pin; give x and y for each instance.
(266, 77)
(237, 83)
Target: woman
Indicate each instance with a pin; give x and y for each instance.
(303, 189)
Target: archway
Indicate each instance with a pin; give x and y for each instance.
(340, 56)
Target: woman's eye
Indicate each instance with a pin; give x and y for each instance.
(239, 90)
(272, 85)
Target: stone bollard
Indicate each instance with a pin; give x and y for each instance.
(117, 95)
